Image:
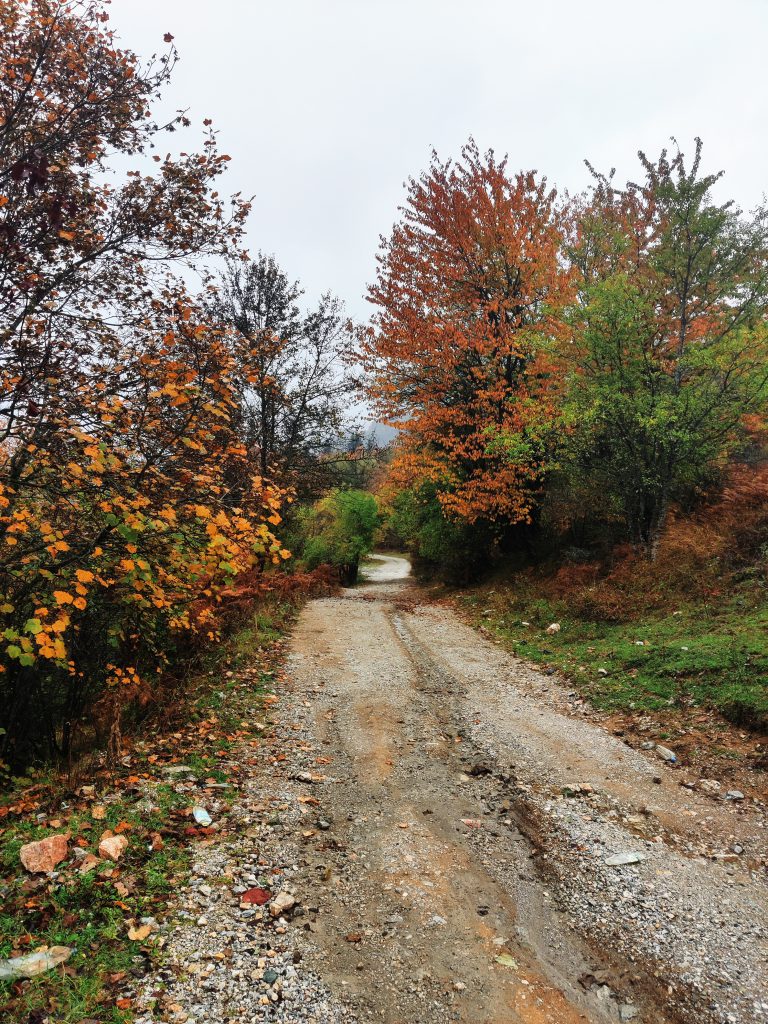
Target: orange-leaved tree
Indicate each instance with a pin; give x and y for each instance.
(463, 347)
(127, 506)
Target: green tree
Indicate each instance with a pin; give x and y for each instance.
(669, 353)
(339, 531)
(439, 545)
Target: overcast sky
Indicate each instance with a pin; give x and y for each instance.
(327, 106)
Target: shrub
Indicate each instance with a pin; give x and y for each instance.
(339, 531)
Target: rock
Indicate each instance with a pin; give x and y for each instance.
(666, 754)
(506, 961)
(627, 1011)
(113, 847)
(618, 859)
(283, 903)
(709, 785)
(553, 628)
(734, 794)
(256, 896)
(574, 789)
(44, 855)
(32, 964)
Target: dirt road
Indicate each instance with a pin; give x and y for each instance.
(449, 817)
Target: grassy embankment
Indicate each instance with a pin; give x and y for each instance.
(685, 636)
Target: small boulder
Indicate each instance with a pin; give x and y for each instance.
(283, 903)
(113, 847)
(32, 964)
(553, 628)
(44, 855)
(709, 785)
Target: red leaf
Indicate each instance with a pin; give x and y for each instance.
(257, 896)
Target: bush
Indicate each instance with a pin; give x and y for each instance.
(339, 531)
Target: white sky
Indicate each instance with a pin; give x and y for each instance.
(327, 106)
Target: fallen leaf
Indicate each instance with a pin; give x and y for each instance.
(507, 961)
(257, 896)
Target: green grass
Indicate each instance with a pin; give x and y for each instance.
(714, 656)
(86, 911)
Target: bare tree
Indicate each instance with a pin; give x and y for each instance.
(297, 385)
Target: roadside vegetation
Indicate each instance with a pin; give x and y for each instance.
(107, 914)
(581, 408)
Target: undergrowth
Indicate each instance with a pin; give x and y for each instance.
(92, 910)
(712, 653)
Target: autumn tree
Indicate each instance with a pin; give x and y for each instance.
(671, 348)
(120, 522)
(462, 351)
(296, 385)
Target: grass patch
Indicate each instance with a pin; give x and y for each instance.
(709, 655)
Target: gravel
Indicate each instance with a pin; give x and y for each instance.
(447, 837)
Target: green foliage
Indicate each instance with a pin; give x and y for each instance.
(339, 530)
(714, 656)
(670, 349)
(647, 429)
(448, 548)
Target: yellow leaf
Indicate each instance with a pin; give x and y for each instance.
(62, 597)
